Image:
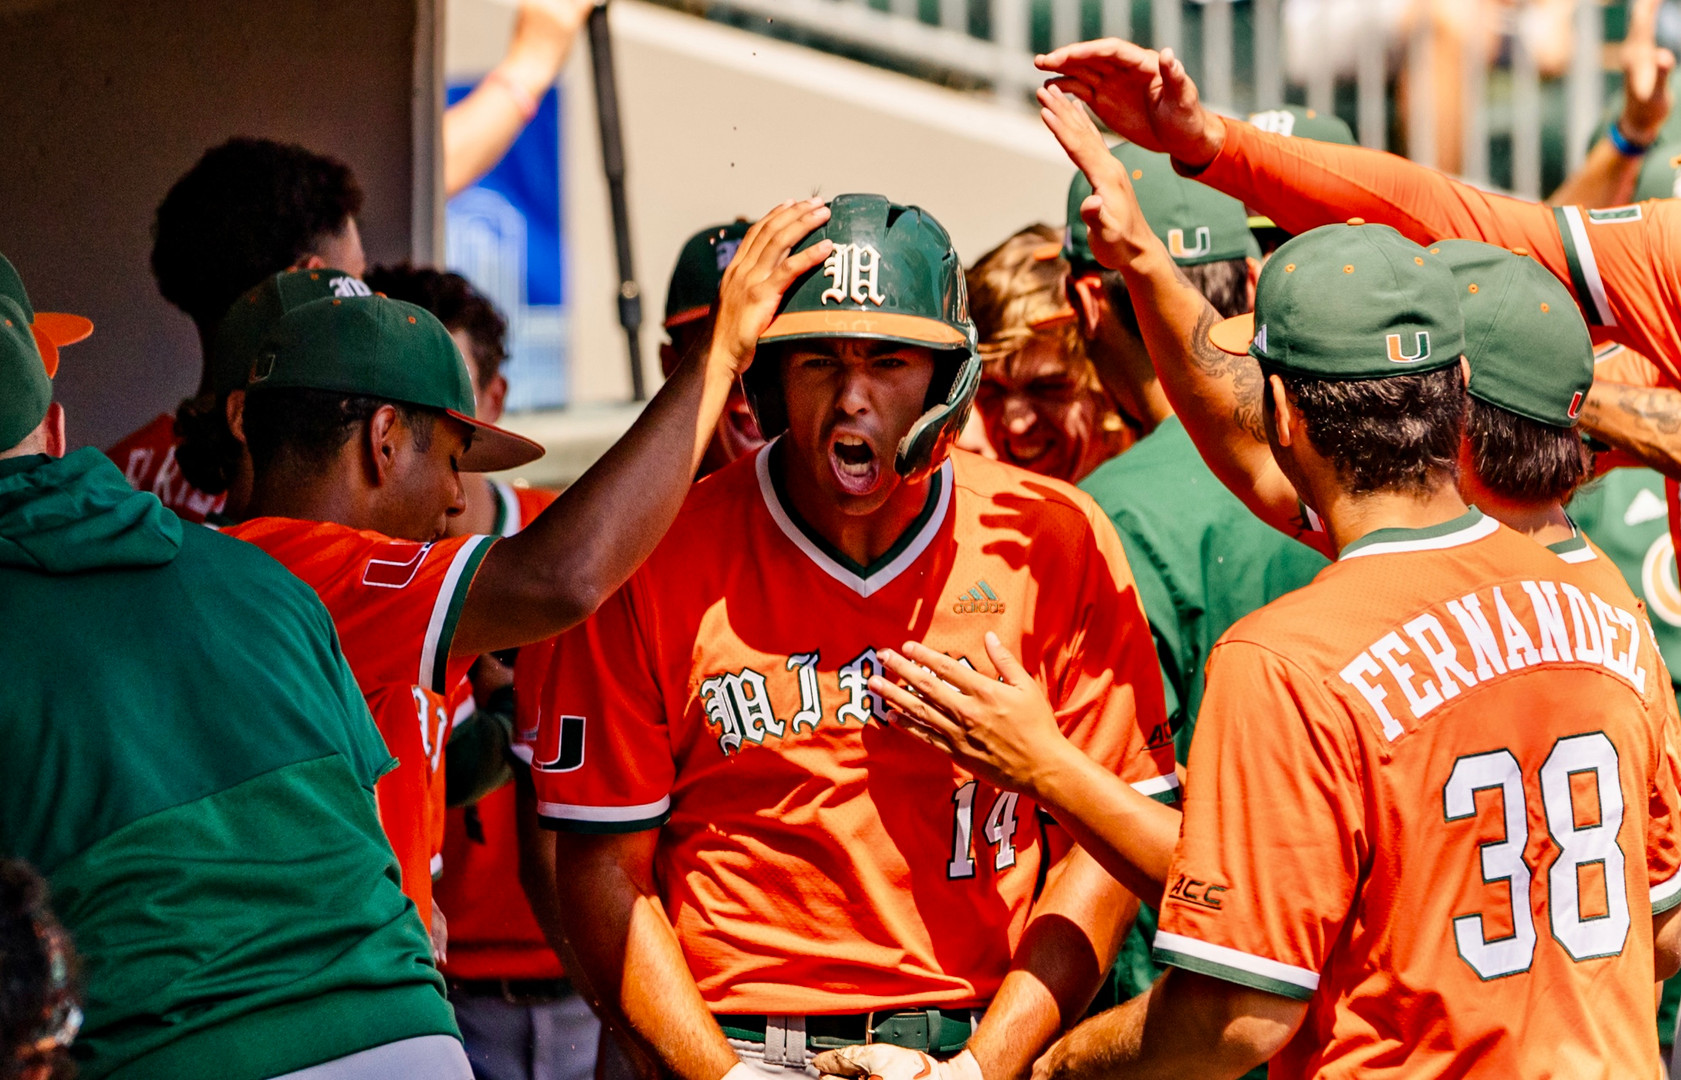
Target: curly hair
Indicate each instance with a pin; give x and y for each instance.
(249, 208)
(1395, 434)
(303, 429)
(457, 305)
(39, 998)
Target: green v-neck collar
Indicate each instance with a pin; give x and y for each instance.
(864, 580)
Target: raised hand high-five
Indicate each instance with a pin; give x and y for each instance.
(1118, 231)
(1144, 96)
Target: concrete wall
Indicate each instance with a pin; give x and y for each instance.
(721, 123)
(109, 101)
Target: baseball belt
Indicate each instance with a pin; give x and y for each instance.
(936, 1031)
(513, 991)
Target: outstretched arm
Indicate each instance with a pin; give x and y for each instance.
(556, 571)
(1608, 176)
(1619, 266)
(1184, 1025)
(1217, 395)
(1643, 423)
(480, 127)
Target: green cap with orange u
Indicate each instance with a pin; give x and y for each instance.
(1351, 301)
(377, 347)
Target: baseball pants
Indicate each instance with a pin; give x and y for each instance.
(429, 1057)
(549, 1040)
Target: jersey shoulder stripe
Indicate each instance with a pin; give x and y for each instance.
(446, 612)
(1584, 269)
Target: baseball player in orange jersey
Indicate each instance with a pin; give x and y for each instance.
(358, 424)
(753, 869)
(1447, 741)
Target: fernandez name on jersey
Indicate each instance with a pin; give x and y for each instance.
(811, 859)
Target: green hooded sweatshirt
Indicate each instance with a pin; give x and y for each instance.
(186, 757)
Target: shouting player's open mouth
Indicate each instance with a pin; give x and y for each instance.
(854, 463)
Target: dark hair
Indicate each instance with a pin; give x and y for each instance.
(1523, 459)
(248, 209)
(208, 453)
(1224, 284)
(1396, 434)
(304, 429)
(38, 974)
(457, 305)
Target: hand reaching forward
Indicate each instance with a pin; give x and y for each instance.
(1646, 69)
(763, 268)
(883, 1061)
(1116, 226)
(1144, 96)
(1005, 732)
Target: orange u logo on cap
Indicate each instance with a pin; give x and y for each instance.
(1421, 348)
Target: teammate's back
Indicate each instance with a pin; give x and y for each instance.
(1474, 722)
(183, 753)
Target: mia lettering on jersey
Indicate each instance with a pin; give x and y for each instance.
(1452, 647)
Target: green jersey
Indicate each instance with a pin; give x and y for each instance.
(1202, 561)
(186, 757)
(1625, 514)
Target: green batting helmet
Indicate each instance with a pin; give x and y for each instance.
(893, 276)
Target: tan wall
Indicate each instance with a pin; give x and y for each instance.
(719, 122)
(109, 101)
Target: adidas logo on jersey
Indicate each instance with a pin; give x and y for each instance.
(979, 600)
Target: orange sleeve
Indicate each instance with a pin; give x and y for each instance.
(603, 761)
(1622, 264)
(1270, 852)
(1663, 824)
(1109, 698)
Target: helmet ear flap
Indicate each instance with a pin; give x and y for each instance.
(930, 439)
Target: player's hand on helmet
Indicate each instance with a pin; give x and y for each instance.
(1117, 231)
(882, 1061)
(1004, 732)
(1144, 96)
(764, 266)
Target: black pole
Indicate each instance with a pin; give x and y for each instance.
(613, 163)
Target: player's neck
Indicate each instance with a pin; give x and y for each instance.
(862, 538)
(292, 493)
(1543, 522)
(1350, 516)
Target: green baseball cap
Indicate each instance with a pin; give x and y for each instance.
(29, 342)
(237, 337)
(1301, 123)
(1528, 347)
(1196, 223)
(699, 272)
(384, 348)
(1351, 301)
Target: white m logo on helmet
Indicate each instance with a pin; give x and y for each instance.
(853, 271)
(1421, 348)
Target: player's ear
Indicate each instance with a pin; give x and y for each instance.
(1252, 268)
(1465, 370)
(1086, 294)
(381, 443)
(1284, 416)
(233, 410)
(52, 431)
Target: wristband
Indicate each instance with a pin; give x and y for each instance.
(1625, 146)
(523, 101)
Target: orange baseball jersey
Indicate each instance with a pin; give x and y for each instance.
(147, 459)
(492, 932)
(395, 604)
(1442, 809)
(814, 861)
